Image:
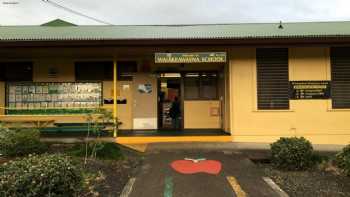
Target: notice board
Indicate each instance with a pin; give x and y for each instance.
(52, 98)
(310, 90)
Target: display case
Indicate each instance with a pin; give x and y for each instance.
(52, 98)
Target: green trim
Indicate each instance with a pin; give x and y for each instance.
(48, 111)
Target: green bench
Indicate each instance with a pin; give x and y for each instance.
(75, 128)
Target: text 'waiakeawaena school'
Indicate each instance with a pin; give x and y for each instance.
(249, 82)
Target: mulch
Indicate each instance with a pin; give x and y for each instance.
(314, 182)
(106, 178)
(109, 177)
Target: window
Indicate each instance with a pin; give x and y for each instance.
(16, 71)
(2, 72)
(94, 71)
(272, 78)
(126, 69)
(340, 86)
(103, 70)
(192, 84)
(200, 86)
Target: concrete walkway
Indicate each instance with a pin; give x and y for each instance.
(238, 177)
(235, 146)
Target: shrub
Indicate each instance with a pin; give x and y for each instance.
(20, 141)
(101, 150)
(292, 153)
(343, 160)
(44, 175)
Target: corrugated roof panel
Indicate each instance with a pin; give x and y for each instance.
(223, 31)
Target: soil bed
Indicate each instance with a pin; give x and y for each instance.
(108, 178)
(313, 182)
(103, 177)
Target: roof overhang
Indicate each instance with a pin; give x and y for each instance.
(325, 41)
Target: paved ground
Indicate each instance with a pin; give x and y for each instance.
(157, 178)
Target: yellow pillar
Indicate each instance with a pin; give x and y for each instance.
(115, 97)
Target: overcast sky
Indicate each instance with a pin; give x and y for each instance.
(131, 12)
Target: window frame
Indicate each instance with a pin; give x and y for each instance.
(201, 98)
(104, 77)
(332, 75)
(259, 77)
(119, 73)
(4, 70)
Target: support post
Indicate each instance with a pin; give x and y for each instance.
(115, 97)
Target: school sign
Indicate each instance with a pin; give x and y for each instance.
(203, 57)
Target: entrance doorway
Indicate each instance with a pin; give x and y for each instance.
(170, 94)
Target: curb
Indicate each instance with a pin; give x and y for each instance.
(128, 187)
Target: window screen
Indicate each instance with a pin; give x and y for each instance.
(16, 71)
(340, 86)
(201, 86)
(272, 78)
(209, 86)
(126, 70)
(94, 71)
(191, 84)
(2, 72)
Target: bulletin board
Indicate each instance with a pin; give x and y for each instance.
(52, 98)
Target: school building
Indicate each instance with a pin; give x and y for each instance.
(248, 82)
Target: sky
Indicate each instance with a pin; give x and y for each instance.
(161, 12)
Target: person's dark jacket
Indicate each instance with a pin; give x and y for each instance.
(174, 111)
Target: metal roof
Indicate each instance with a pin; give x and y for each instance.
(58, 22)
(214, 31)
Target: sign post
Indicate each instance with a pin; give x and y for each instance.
(115, 98)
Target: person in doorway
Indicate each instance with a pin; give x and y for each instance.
(175, 113)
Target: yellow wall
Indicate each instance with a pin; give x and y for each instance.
(145, 112)
(2, 97)
(197, 115)
(64, 67)
(140, 108)
(66, 73)
(313, 119)
(124, 111)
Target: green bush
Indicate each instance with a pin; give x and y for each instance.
(343, 160)
(100, 150)
(20, 141)
(41, 175)
(292, 153)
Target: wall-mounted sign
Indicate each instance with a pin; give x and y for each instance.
(204, 57)
(145, 88)
(108, 101)
(111, 101)
(310, 89)
(214, 111)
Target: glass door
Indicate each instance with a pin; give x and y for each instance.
(169, 101)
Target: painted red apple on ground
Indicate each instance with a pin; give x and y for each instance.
(192, 166)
